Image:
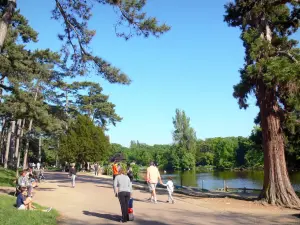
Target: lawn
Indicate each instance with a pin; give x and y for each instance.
(9, 215)
(7, 177)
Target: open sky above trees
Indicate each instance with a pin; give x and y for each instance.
(192, 67)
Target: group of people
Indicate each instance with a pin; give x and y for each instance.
(153, 176)
(25, 184)
(122, 184)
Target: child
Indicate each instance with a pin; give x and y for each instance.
(22, 201)
(170, 188)
(25, 203)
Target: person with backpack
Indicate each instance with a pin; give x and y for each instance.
(123, 189)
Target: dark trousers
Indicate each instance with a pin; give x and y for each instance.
(124, 200)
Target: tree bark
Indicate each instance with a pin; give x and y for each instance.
(20, 133)
(11, 130)
(2, 137)
(40, 149)
(27, 146)
(56, 158)
(6, 20)
(277, 189)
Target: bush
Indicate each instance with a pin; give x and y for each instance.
(136, 171)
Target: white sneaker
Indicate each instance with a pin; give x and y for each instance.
(48, 210)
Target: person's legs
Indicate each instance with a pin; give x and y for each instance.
(122, 200)
(154, 192)
(170, 198)
(127, 198)
(151, 192)
(73, 180)
(28, 203)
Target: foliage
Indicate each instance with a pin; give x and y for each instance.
(216, 153)
(9, 215)
(75, 15)
(83, 142)
(184, 137)
(136, 171)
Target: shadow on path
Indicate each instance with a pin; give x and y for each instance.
(103, 215)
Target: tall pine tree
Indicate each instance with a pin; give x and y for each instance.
(271, 72)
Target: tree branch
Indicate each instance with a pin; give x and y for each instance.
(281, 2)
(7, 88)
(289, 55)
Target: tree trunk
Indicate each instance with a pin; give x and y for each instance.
(2, 137)
(27, 146)
(40, 149)
(6, 20)
(20, 133)
(12, 146)
(56, 158)
(67, 109)
(277, 189)
(12, 127)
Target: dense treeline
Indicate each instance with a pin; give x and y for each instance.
(221, 153)
(218, 153)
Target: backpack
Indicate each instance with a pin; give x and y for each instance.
(130, 175)
(130, 210)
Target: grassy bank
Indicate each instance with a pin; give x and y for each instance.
(9, 215)
(7, 177)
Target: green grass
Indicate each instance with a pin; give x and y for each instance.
(9, 215)
(7, 177)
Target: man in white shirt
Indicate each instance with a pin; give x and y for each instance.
(38, 166)
(153, 176)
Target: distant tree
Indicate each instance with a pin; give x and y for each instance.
(83, 142)
(271, 72)
(184, 137)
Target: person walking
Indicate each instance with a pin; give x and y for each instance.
(153, 176)
(170, 188)
(122, 190)
(72, 174)
(96, 166)
(38, 166)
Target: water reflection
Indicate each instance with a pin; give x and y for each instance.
(234, 179)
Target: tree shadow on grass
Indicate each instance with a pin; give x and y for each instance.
(103, 215)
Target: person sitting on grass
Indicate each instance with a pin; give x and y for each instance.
(24, 202)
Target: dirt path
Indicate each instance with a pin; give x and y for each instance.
(92, 202)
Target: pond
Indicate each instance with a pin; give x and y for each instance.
(234, 179)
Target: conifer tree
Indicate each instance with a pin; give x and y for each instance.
(74, 16)
(271, 72)
(83, 142)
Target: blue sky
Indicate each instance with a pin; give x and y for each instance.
(193, 67)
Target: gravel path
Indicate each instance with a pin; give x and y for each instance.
(92, 202)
